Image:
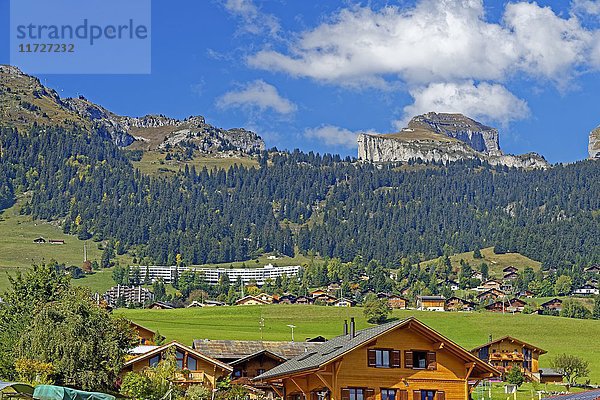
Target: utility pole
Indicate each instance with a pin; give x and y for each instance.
(261, 324)
(292, 326)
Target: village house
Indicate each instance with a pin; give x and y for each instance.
(489, 285)
(250, 301)
(247, 368)
(267, 298)
(343, 302)
(144, 335)
(304, 300)
(554, 304)
(549, 375)
(510, 269)
(399, 360)
(39, 240)
(507, 352)
(511, 276)
(326, 299)
(194, 367)
(318, 292)
(286, 299)
(453, 285)
(526, 293)
(492, 294)
(594, 269)
(56, 241)
(159, 305)
(586, 290)
(431, 303)
(513, 305)
(457, 304)
(397, 302)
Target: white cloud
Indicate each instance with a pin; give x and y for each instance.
(333, 135)
(254, 21)
(257, 94)
(436, 41)
(490, 102)
(589, 7)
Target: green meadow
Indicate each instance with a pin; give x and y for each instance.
(554, 334)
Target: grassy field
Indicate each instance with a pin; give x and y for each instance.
(154, 163)
(555, 334)
(17, 250)
(496, 262)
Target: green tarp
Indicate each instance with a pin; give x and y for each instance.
(49, 392)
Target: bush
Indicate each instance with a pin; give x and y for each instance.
(136, 386)
(198, 392)
(514, 377)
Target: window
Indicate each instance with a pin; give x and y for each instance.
(388, 394)
(383, 358)
(192, 364)
(179, 356)
(153, 362)
(427, 394)
(238, 373)
(420, 359)
(357, 394)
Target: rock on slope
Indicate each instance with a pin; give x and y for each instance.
(442, 138)
(24, 100)
(594, 146)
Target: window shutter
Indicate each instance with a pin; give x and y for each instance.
(345, 394)
(402, 395)
(416, 395)
(395, 358)
(372, 359)
(441, 395)
(369, 394)
(408, 359)
(431, 360)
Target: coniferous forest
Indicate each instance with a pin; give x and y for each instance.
(332, 206)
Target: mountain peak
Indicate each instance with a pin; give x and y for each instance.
(594, 146)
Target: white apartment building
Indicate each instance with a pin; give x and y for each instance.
(212, 275)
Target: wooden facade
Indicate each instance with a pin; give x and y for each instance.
(406, 361)
(458, 304)
(194, 367)
(144, 335)
(397, 302)
(431, 303)
(250, 301)
(507, 352)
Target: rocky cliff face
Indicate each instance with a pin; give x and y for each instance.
(442, 138)
(24, 100)
(479, 137)
(594, 146)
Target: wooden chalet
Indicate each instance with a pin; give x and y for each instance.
(554, 304)
(549, 375)
(492, 294)
(247, 368)
(510, 269)
(397, 302)
(431, 303)
(586, 290)
(250, 301)
(513, 305)
(39, 240)
(594, 269)
(526, 293)
(507, 352)
(399, 360)
(286, 299)
(194, 368)
(318, 292)
(457, 304)
(326, 299)
(511, 276)
(159, 305)
(490, 284)
(267, 298)
(144, 335)
(304, 300)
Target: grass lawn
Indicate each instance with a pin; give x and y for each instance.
(154, 163)
(555, 334)
(17, 250)
(496, 262)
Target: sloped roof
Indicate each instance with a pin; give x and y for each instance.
(265, 352)
(236, 349)
(339, 346)
(512, 339)
(588, 395)
(180, 346)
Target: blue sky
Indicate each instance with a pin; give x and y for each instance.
(310, 75)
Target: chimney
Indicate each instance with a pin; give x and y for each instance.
(345, 327)
(352, 328)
